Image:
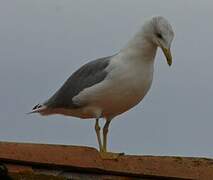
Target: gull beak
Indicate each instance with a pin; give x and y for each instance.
(168, 55)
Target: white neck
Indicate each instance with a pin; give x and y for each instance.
(140, 48)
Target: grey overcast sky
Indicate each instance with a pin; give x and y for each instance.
(42, 42)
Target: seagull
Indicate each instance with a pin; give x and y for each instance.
(109, 86)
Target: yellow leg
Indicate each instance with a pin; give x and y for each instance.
(104, 153)
(105, 132)
(97, 130)
(103, 147)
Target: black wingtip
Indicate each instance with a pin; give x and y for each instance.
(35, 109)
(37, 106)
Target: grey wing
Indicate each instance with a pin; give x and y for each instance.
(87, 76)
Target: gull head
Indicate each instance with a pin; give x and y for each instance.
(159, 32)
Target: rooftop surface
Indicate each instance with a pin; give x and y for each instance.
(44, 161)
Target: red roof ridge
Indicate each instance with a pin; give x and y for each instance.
(27, 156)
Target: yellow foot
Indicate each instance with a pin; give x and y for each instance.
(110, 155)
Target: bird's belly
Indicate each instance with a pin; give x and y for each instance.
(120, 98)
(109, 105)
(117, 106)
(117, 103)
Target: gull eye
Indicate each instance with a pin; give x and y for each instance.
(159, 35)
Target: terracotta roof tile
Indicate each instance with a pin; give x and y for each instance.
(58, 159)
